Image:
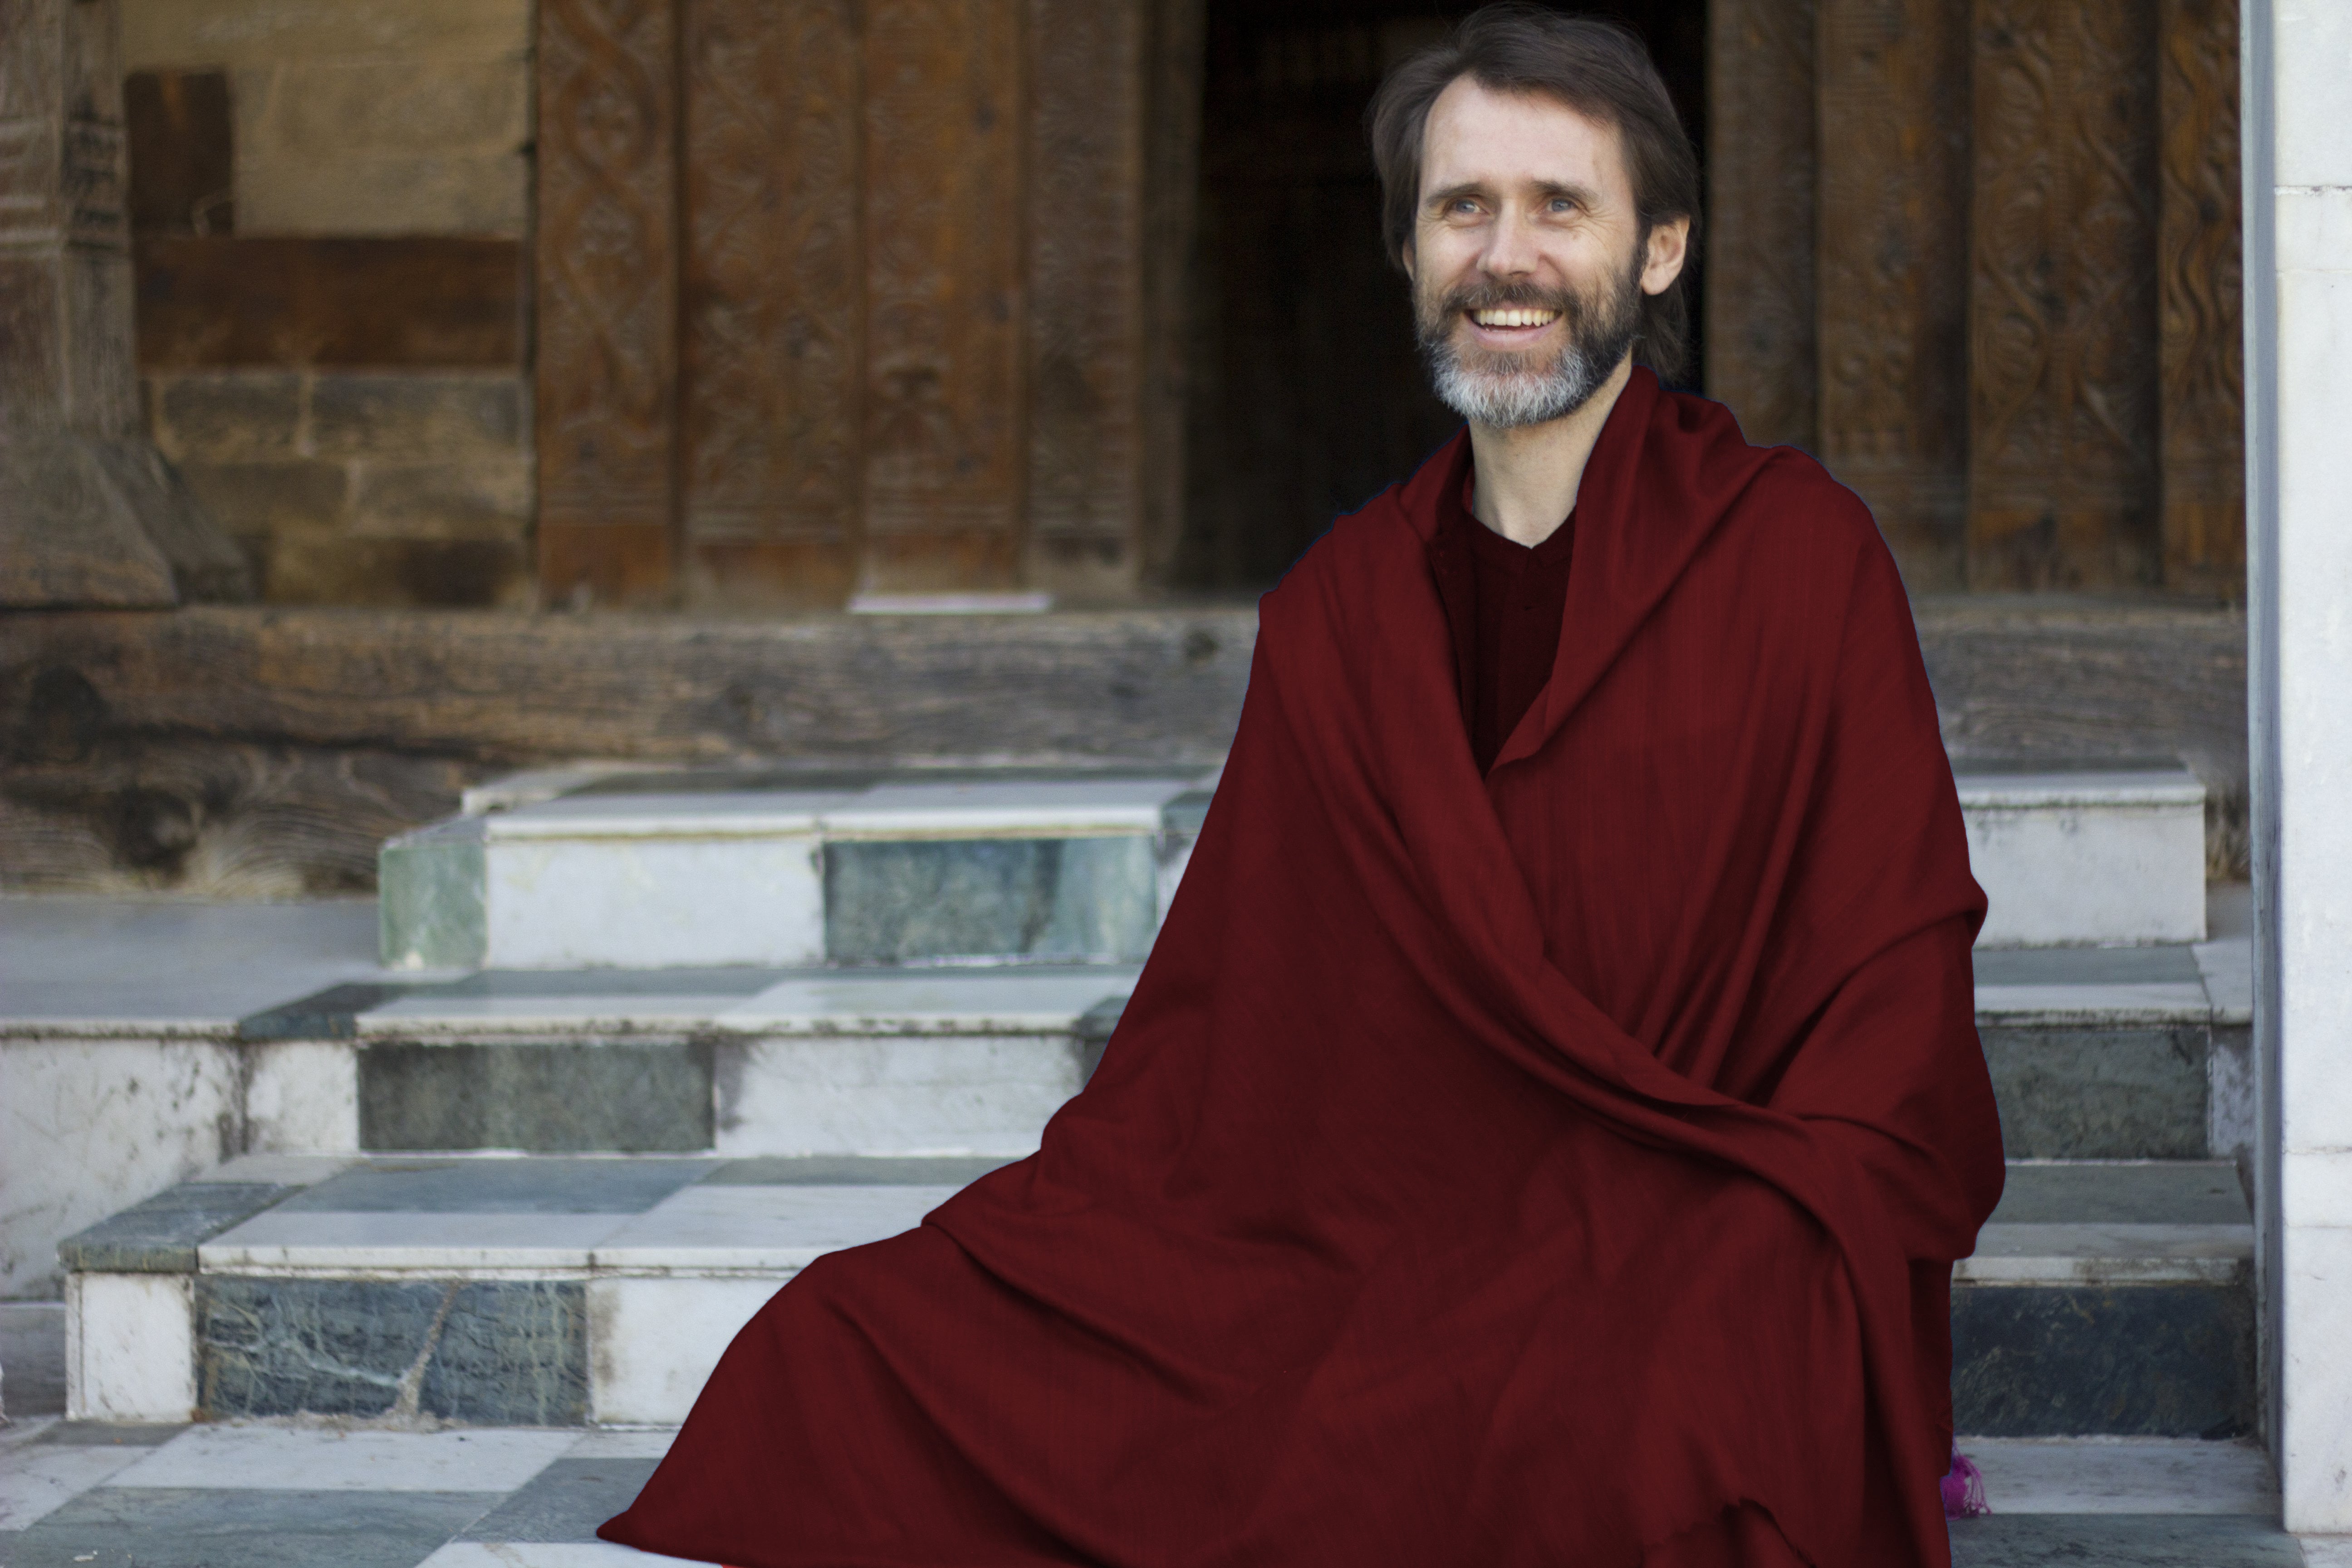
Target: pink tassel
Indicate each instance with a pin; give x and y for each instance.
(1964, 1493)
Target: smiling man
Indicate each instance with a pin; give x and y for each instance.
(1545, 1127)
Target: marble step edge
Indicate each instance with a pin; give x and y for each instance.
(1004, 998)
(776, 1216)
(620, 799)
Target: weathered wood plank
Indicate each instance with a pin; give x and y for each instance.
(1891, 281)
(606, 266)
(2062, 353)
(1761, 173)
(251, 753)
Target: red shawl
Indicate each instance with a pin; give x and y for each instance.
(1561, 1169)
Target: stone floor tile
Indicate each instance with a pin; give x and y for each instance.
(2187, 1192)
(109, 1435)
(118, 1527)
(492, 1185)
(566, 1502)
(324, 1459)
(625, 1443)
(410, 1241)
(32, 1358)
(2170, 963)
(128, 959)
(854, 1171)
(543, 1555)
(2122, 1540)
(2123, 1475)
(41, 1479)
(2327, 1551)
(763, 1227)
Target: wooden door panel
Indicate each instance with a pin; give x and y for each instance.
(772, 301)
(607, 276)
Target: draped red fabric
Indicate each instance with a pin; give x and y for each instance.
(1564, 1167)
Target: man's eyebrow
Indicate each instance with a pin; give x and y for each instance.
(1582, 195)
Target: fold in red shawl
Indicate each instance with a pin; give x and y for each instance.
(1564, 1170)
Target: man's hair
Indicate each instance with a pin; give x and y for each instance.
(1598, 68)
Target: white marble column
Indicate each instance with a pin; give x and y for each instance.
(2297, 101)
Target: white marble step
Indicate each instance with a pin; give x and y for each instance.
(565, 870)
(621, 1281)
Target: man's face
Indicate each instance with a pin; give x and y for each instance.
(1527, 260)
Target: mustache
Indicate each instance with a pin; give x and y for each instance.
(1499, 296)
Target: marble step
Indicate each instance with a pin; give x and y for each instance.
(650, 869)
(550, 1291)
(272, 1030)
(260, 1491)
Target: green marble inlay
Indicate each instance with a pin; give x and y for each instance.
(2135, 1360)
(429, 886)
(497, 1353)
(622, 1096)
(1063, 899)
(2100, 1093)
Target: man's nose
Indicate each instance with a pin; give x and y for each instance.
(1510, 248)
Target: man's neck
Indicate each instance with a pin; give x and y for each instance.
(1526, 479)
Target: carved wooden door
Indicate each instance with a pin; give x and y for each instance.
(840, 295)
(1981, 257)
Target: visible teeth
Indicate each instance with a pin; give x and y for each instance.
(1513, 318)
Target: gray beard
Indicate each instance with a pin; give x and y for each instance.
(1506, 397)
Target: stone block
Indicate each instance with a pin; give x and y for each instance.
(271, 496)
(648, 902)
(162, 35)
(480, 497)
(316, 567)
(130, 1348)
(2101, 1093)
(1070, 898)
(510, 1352)
(226, 417)
(177, 125)
(417, 415)
(2087, 857)
(2175, 1360)
(630, 1097)
(484, 195)
(331, 110)
(905, 1094)
(655, 1341)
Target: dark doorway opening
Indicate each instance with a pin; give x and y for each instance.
(1305, 395)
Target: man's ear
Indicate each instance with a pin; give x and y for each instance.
(1669, 248)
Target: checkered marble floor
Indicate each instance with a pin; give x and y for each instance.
(258, 1496)
(262, 1494)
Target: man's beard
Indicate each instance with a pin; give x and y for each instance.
(1501, 387)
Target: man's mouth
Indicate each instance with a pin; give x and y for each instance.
(1514, 317)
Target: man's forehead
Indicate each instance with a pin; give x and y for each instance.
(1477, 136)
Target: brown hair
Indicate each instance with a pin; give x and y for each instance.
(1599, 68)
